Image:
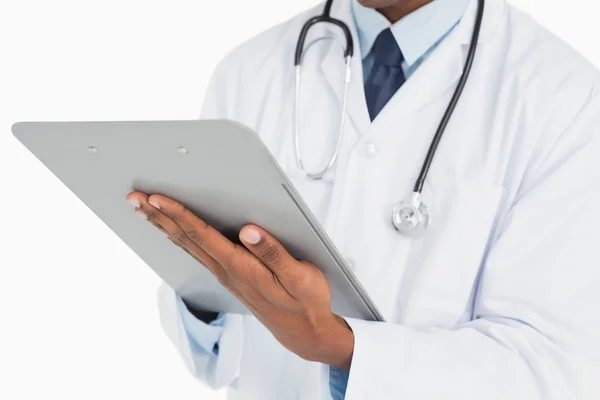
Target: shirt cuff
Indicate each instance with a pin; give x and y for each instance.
(204, 336)
(338, 381)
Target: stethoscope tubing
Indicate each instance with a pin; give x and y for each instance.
(413, 209)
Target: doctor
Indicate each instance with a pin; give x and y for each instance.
(498, 298)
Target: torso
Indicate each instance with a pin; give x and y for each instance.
(492, 142)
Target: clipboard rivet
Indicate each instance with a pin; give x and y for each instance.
(92, 149)
(182, 150)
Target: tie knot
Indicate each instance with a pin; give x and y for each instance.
(386, 51)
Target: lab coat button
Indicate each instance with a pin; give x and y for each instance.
(370, 149)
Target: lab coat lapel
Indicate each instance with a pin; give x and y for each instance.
(332, 66)
(440, 73)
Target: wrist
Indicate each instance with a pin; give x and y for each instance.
(337, 345)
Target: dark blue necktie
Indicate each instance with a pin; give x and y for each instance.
(386, 75)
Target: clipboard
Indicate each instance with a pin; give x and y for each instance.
(218, 169)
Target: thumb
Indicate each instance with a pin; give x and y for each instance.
(267, 249)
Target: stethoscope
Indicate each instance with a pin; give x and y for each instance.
(411, 216)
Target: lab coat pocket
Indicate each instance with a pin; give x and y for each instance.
(448, 258)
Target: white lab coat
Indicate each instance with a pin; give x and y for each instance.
(500, 299)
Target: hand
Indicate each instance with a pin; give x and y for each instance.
(290, 298)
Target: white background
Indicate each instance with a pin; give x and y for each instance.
(71, 326)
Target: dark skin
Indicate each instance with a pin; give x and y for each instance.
(291, 298)
(394, 10)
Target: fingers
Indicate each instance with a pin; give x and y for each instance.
(293, 275)
(136, 199)
(241, 267)
(173, 231)
(245, 270)
(209, 239)
(248, 271)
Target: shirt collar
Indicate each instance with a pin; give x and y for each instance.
(416, 33)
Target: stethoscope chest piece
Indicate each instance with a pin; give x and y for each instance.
(411, 216)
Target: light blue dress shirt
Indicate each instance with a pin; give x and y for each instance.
(418, 35)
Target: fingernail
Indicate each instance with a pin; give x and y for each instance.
(154, 204)
(134, 202)
(251, 236)
(141, 214)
